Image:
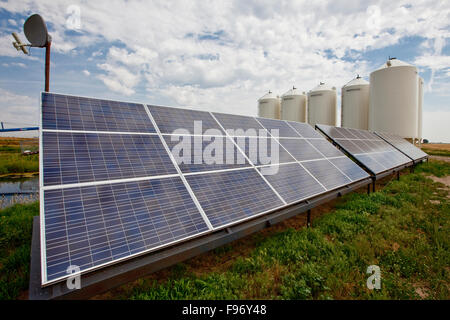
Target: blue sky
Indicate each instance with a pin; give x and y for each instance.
(222, 55)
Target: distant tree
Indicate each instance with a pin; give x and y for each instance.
(425, 141)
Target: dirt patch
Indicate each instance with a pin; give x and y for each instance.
(421, 290)
(444, 180)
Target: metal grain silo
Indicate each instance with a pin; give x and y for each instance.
(293, 105)
(394, 99)
(419, 124)
(355, 104)
(269, 106)
(322, 105)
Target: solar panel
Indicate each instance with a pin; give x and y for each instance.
(330, 176)
(293, 182)
(64, 112)
(171, 119)
(348, 167)
(263, 151)
(239, 125)
(300, 149)
(71, 157)
(304, 129)
(326, 148)
(366, 147)
(315, 154)
(230, 196)
(284, 130)
(113, 186)
(404, 146)
(95, 225)
(205, 154)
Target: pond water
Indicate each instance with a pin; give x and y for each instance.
(18, 189)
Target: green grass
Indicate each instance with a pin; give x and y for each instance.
(403, 229)
(15, 243)
(17, 163)
(14, 149)
(435, 168)
(434, 152)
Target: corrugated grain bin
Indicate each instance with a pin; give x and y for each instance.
(293, 106)
(269, 106)
(322, 105)
(394, 99)
(355, 104)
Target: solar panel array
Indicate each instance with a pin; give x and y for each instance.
(404, 146)
(366, 147)
(121, 179)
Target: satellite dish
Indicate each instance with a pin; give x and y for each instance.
(36, 31)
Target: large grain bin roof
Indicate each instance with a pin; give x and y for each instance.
(394, 63)
(268, 95)
(323, 87)
(358, 81)
(292, 92)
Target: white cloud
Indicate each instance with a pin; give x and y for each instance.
(18, 111)
(86, 73)
(223, 55)
(12, 22)
(118, 79)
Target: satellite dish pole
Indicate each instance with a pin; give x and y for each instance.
(36, 33)
(47, 65)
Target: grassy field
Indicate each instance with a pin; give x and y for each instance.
(15, 243)
(437, 149)
(11, 159)
(403, 228)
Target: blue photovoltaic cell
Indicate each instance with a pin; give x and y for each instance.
(91, 226)
(291, 181)
(389, 159)
(284, 130)
(351, 169)
(326, 173)
(76, 113)
(326, 148)
(332, 132)
(300, 149)
(239, 125)
(262, 151)
(85, 157)
(370, 163)
(231, 196)
(365, 147)
(305, 130)
(215, 154)
(170, 119)
(348, 146)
